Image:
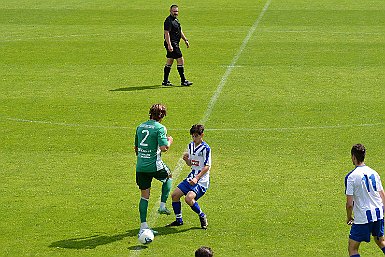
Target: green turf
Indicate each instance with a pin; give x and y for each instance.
(77, 77)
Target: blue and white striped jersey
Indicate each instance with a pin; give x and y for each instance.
(364, 184)
(200, 157)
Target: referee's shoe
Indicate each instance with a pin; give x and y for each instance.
(186, 83)
(167, 83)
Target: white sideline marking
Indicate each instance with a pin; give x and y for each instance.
(232, 65)
(323, 32)
(13, 38)
(206, 129)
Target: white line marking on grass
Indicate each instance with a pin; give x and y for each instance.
(19, 37)
(232, 65)
(67, 124)
(297, 128)
(323, 32)
(207, 129)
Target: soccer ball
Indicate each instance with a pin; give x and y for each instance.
(146, 236)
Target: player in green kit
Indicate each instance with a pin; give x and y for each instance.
(150, 141)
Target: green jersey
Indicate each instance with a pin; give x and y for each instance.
(149, 136)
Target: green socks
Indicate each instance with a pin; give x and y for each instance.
(143, 206)
(166, 188)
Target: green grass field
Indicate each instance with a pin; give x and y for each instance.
(284, 88)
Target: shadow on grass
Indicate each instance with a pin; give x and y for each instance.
(127, 89)
(92, 242)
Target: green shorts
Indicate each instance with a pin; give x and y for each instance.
(144, 179)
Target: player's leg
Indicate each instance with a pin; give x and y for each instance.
(181, 190)
(166, 71)
(164, 176)
(191, 200)
(378, 234)
(358, 234)
(353, 248)
(143, 180)
(380, 241)
(177, 205)
(143, 207)
(166, 188)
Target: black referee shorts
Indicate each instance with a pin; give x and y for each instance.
(176, 53)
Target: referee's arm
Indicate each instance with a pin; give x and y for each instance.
(168, 40)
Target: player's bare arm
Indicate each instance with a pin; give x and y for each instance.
(382, 194)
(349, 210)
(195, 180)
(186, 159)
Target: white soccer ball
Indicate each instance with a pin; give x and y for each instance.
(146, 236)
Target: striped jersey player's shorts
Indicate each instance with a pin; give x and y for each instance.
(361, 232)
(185, 187)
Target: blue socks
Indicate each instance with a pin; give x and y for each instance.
(356, 255)
(177, 207)
(197, 209)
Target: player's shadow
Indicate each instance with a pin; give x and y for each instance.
(92, 242)
(139, 88)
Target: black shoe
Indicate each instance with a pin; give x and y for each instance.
(186, 83)
(167, 83)
(204, 222)
(175, 223)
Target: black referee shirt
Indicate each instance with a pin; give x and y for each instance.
(172, 25)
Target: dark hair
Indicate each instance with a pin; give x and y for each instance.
(204, 251)
(197, 129)
(157, 112)
(359, 151)
(173, 6)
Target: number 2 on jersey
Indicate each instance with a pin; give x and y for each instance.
(142, 143)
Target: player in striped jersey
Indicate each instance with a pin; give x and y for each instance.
(197, 182)
(365, 198)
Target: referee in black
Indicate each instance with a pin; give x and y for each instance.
(172, 35)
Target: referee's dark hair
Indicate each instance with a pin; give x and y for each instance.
(359, 151)
(173, 6)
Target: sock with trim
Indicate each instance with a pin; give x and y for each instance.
(166, 71)
(177, 207)
(180, 69)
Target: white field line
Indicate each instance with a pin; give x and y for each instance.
(278, 129)
(232, 65)
(66, 124)
(322, 32)
(18, 37)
